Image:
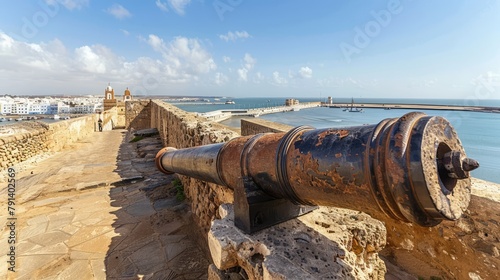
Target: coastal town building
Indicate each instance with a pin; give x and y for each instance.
(12, 105)
(109, 98)
(111, 101)
(15, 105)
(126, 95)
(291, 102)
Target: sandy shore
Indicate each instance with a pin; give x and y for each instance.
(486, 189)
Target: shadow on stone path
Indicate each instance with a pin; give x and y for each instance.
(153, 225)
(100, 210)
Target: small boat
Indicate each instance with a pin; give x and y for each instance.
(230, 102)
(353, 109)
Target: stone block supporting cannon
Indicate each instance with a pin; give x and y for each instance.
(413, 169)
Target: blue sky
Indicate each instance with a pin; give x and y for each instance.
(243, 48)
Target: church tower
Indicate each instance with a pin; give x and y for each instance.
(109, 98)
(127, 96)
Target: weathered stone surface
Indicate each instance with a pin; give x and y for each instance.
(292, 250)
(102, 232)
(256, 125)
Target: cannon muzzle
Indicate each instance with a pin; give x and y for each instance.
(413, 169)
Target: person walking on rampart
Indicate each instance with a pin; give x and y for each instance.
(99, 123)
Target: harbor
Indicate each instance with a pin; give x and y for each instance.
(224, 114)
(390, 106)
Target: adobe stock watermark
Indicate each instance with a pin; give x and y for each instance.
(363, 35)
(31, 25)
(148, 84)
(223, 6)
(487, 86)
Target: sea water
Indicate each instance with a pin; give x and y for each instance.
(479, 132)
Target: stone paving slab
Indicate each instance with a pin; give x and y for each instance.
(80, 216)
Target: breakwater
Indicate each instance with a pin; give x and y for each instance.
(220, 115)
(390, 106)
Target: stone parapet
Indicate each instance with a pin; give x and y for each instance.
(255, 126)
(137, 114)
(181, 129)
(329, 243)
(20, 142)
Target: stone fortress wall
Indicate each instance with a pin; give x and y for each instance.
(255, 126)
(464, 249)
(22, 141)
(181, 129)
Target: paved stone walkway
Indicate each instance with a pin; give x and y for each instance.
(101, 210)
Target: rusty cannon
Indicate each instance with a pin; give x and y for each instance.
(413, 169)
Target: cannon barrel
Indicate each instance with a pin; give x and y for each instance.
(413, 169)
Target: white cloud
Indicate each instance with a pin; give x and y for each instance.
(179, 6)
(118, 11)
(19, 57)
(243, 74)
(89, 60)
(182, 60)
(226, 59)
(156, 43)
(69, 4)
(258, 78)
(220, 78)
(184, 56)
(125, 32)
(278, 80)
(230, 36)
(305, 72)
(249, 61)
(248, 64)
(162, 5)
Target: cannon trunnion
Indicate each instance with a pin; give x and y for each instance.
(413, 169)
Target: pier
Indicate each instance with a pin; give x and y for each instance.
(389, 106)
(221, 115)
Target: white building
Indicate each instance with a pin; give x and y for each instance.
(63, 108)
(49, 105)
(20, 108)
(84, 109)
(5, 108)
